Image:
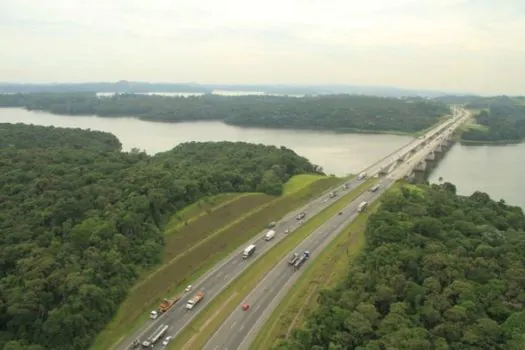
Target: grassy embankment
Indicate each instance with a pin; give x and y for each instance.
(473, 125)
(195, 335)
(211, 228)
(327, 270)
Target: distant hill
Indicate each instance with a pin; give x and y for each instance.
(120, 87)
(288, 89)
(383, 91)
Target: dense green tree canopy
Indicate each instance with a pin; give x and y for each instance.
(331, 112)
(502, 122)
(439, 271)
(77, 224)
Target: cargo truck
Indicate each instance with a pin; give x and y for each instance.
(293, 259)
(301, 259)
(374, 188)
(159, 333)
(194, 300)
(269, 235)
(164, 306)
(248, 251)
(362, 206)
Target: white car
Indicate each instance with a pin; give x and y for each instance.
(188, 288)
(166, 340)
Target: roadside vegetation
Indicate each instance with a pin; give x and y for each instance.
(325, 271)
(196, 334)
(497, 123)
(81, 221)
(342, 113)
(197, 247)
(439, 271)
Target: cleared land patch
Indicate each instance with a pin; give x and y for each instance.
(199, 333)
(200, 244)
(324, 272)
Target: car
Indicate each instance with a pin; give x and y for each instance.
(245, 307)
(340, 213)
(188, 288)
(287, 231)
(166, 340)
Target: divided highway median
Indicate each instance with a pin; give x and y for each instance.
(324, 272)
(202, 327)
(200, 236)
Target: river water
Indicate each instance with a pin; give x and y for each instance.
(492, 169)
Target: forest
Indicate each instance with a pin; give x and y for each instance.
(342, 113)
(80, 220)
(502, 123)
(439, 271)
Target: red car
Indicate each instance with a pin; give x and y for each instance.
(245, 307)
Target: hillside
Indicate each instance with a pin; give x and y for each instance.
(343, 113)
(80, 221)
(439, 271)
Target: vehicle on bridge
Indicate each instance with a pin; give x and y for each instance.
(302, 259)
(362, 206)
(332, 194)
(245, 307)
(248, 251)
(194, 300)
(159, 333)
(301, 216)
(164, 306)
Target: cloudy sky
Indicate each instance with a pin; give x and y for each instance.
(465, 45)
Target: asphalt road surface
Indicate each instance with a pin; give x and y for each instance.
(220, 276)
(240, 329)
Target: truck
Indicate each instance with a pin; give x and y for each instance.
(164, 306)
(293, 259)
(194, 300)
(269, 235)
(374, 188)
(362, 206)
(248, 251)
(362, 175)
(301, 260)
(159, 333)
(301, 216)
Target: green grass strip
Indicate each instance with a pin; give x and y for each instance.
(196, 334)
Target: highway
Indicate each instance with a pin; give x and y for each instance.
(219, 277)
(241, 327)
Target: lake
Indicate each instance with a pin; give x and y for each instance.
(492, 169)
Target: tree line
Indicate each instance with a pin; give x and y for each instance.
(439, 271)
(504, 123)
(80, 220)
(344, 113)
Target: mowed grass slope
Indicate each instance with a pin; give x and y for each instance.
(326, 270)
(198, 237)
(196, 334)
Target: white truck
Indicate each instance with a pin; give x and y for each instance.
(248, 251)
(159, 333)
(269, 235)
(362, 175)
(362, 206)
(194, 300)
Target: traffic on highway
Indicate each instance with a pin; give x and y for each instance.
(175, 314)
(239, 330)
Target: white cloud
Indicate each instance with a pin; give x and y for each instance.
(448, 44)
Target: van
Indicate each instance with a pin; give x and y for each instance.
(269, 235)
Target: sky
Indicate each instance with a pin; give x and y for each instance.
(460, 45)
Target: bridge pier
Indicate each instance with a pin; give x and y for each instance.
(430, 156)
(421, 166)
